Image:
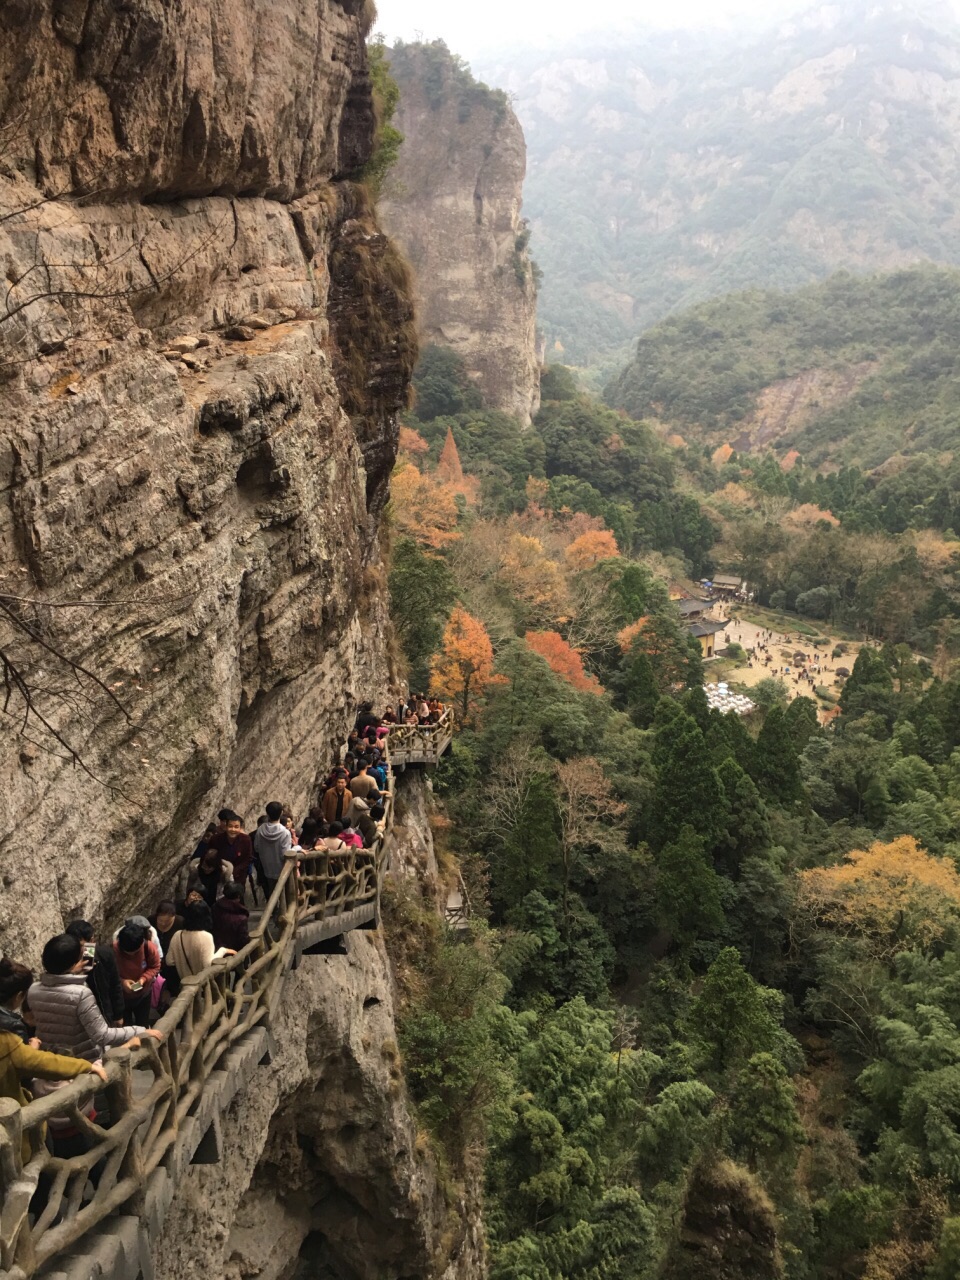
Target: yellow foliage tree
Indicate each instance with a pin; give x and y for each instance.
(533, 577)
(422, 508)
(463, 667)
(808, 516)
(590, 548)
(893, 895)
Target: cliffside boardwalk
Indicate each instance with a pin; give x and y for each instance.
(165, 1099)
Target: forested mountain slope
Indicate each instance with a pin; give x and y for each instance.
(851, 370)
(703, 1019)
(672, 167)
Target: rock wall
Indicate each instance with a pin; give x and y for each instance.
(204, 342)
(453, 202)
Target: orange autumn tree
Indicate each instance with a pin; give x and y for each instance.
(894, 896)
(423, 509)
(463, 667)
(629, 633)
(563, 660)
(590, 548)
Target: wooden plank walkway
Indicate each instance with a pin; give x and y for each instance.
(166, 1099)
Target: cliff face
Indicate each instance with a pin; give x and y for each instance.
(453, 202)
(204, 342)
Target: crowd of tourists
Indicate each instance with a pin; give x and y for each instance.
(97, 992)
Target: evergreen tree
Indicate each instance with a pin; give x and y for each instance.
(946, 1265)
(764, 1124)
(869, 686)
(732, 1016)
(800, 719)
(727, 737)
(688, 891)
(778, 766)
(421, 597)
(747, 829)
(687, 786)
(637, 688)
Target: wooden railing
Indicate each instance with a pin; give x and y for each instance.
(163, 1100)
(420, 743)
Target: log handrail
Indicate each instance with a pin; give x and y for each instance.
(420, 743)
(154, 1093)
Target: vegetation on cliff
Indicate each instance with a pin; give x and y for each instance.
(709, 1020)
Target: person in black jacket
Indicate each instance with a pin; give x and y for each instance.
(103, 976)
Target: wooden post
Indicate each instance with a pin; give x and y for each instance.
(120, 1098)
(16, 1242)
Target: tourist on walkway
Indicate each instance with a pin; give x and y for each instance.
(231, 920)
(363, 784)
(67, 1017)
(312, 833)
(363, 821)
(208, 875)
(138, 959)
(336, 802)
(19, 1061)
(234, 846)
(15, 981)
(193, 948)
(332, 841)
(103, 976)
(166, 922)
(203, 844)
(271, 842)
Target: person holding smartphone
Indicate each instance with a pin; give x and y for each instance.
(103, 976)
(138, 960)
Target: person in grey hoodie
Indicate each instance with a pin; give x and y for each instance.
(271, 841)
(67, 1017)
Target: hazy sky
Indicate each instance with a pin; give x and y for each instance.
(472, 26)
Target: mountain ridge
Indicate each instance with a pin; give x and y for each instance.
(710, 166)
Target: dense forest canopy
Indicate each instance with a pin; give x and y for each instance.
(712, 967)
(854, 370)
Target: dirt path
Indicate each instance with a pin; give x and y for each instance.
(778, 643)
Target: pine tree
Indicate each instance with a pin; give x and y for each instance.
(765, 1125)
(800, 719)
(731, 1017)
(869, 685)
(688, 790)
(946, 1265)
(638, 691)
(778, 767)
(688, 891)
(747, 829)
(727, 738)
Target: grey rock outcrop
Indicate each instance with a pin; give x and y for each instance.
(453, 202)
(213, 502)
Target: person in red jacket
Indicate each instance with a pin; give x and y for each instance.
(234, 846)
(139, 963)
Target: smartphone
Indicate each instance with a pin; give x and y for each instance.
(89, 951)
(137, 986)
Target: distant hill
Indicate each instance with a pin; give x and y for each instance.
(675, 167)
(854, 370)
